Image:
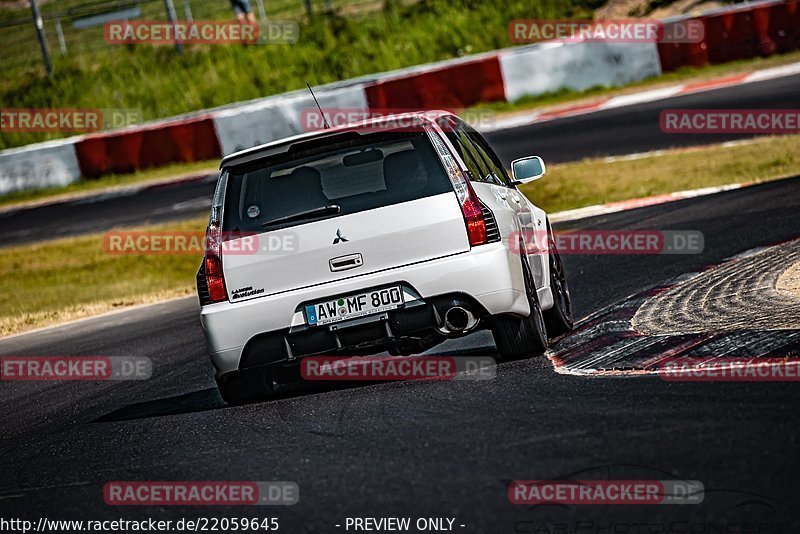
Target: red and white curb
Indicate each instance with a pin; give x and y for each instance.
(641, 97)
(607, 343)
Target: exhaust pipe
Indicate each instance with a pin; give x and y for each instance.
(458, 320)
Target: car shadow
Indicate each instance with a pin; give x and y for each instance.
(204, 400)
(209, 399)
(196, 401)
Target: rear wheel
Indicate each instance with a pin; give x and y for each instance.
(558, 318)
(521, 337)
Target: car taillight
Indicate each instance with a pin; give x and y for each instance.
(467, 198)
(473, 218)
(215, 280)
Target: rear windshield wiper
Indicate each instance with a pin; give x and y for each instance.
(333, 209)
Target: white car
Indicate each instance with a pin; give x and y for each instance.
(391, 234)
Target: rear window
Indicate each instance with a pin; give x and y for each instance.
(358, 173)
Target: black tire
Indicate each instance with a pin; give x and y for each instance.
(242, 387)
(558, 318)
(521, 337)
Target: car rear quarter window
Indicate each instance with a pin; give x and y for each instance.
(489, 155)
(477, 162)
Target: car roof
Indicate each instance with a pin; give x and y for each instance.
(282, 145)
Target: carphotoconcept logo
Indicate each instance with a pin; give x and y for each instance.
(720, 121)
(65, 368)
(200, 493)
(72, 120)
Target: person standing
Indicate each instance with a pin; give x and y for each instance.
(244, 11)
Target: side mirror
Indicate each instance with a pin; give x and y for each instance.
(527, 169)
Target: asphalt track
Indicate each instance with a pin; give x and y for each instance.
(617, 131)
(424, 449)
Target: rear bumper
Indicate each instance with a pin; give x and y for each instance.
(489, 275)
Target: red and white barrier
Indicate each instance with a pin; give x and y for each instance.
(159, 144)
(651, 95)
(448, 85)
(547, 67)
(38, 166)
(738, 32)
(272, 118)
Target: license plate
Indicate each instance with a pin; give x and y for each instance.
(354, 306)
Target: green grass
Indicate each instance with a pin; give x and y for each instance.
(160, 83)
(71, 278)
(596, 181)
(74, 277)
(21, 45)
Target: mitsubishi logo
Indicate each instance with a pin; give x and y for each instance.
(340, 237)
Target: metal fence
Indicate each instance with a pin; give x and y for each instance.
(75, 28)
